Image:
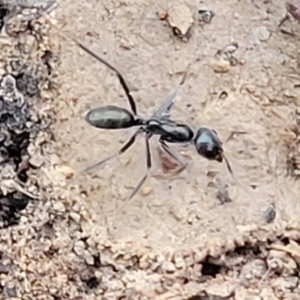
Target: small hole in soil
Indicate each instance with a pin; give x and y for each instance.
(51, 252)
(209, 269)
(97, 261)
(23, 176)
(285, 240)
(195, 298)
(185, 281)
(91, 282)
(84, 239)
(3, 13)
(248, 249)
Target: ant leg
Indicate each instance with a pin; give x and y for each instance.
(126, 146)
(149, 165)
(102, 60)
(164, 110)
(142, 181)
(283, 20)
(121, 78)
(174, 155)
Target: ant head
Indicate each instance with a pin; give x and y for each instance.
(208, 144)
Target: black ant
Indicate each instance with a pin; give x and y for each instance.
(205, 140)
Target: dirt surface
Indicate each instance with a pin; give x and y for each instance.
(177, 238)
(261, 101)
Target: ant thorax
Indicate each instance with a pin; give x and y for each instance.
(170, 131)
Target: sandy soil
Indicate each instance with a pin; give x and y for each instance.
(157, 246)
(261, 101)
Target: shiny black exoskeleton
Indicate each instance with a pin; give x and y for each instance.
(204, 139)
(112, 117)
(208, 144)
(170, 131)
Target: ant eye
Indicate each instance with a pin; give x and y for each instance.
(209, 152)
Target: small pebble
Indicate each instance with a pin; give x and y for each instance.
(162, 15)
(270, 213)
(67, 171)
(177, 213)
(261, 33)
(36, 161)
(242, 61)
(79, 247)
(205, 15)
(221, 66)
(180, 18)
(75, 217)
(168, 266)
(179, 261)
(146, 190)
(89, 259)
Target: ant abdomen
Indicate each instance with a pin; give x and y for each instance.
(208, 144)
(111, 117)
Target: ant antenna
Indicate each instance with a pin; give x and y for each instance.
(102, 60)
(229, 168)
